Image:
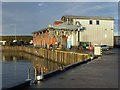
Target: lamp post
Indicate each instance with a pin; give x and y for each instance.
(15, 30)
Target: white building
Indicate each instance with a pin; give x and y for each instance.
(97, 30)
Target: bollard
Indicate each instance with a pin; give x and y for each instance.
(40, 77)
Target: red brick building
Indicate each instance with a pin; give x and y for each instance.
(47, 37)
(43, 38)
(55, 35)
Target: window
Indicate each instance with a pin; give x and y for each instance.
(90, 22)
(69, 21)
(97, 22)
(78, 23)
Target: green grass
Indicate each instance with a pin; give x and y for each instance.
(11, 38)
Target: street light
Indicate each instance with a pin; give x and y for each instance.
(15, 30)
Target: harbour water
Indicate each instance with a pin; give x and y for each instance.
(19, 66)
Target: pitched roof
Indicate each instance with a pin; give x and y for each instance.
(60, 26)
(41, 30)
(65, 26)
(88, 17)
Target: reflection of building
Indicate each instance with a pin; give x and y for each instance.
(97, 30)
(44, 65)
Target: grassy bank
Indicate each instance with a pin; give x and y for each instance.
(11, 38)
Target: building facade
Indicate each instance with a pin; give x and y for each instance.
(59, 35)
(44, 38)
(72, 30)
(96, 30)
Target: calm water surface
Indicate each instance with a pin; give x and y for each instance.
(15, 67)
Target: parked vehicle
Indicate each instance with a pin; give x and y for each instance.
(20, 43)
(104, 47)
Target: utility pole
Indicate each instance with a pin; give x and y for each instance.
(15, 30)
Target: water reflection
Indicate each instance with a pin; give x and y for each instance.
(17, 65)
(39, 63)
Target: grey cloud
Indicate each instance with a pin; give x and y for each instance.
(41, 4)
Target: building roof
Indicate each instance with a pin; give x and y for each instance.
(88, 17)
(41, 30)
(65, 26)
(60, 26)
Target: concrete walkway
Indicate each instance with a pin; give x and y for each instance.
(99, 73)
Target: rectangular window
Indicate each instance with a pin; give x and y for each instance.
(97, 22)
(90, 22)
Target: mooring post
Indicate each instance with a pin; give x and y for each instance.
(29, 73)
(40, 77)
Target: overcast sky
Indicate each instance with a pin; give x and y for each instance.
(33, 16)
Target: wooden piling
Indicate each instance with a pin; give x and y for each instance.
(55, 55)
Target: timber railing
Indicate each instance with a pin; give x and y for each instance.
(59, 56)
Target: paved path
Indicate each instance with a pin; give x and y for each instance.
(99, 73)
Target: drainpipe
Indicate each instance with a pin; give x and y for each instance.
(78, 34)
